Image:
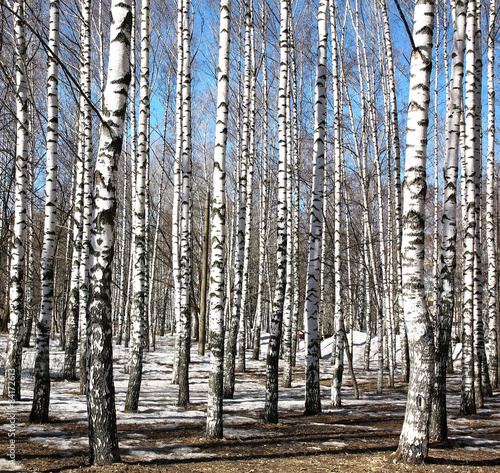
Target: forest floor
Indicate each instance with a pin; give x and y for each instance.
(362, 436)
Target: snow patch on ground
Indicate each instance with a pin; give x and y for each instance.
(334, 443)
(7, 465)
(58, 443)
(163, 451)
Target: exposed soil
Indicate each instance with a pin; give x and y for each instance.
(350, 440)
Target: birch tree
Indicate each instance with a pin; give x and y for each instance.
(177, 188)
(272, 360)
(69, 368)
(264, 193)
(138, 224)
(482, 385)
(41, 393)
(311, 336)
(185, 250)
(237, 317)
(414, 440)
(288, 301)
(447, 287)
(468, 401)
(492, 303)
(87, 160)
(218, 233)
(103, 439)
(247, 157)
(396, 153)
(296, 202)
(339, 329)
(13, 361)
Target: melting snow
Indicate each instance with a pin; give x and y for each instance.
(158, 410)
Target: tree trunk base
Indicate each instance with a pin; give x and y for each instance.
(408, 455)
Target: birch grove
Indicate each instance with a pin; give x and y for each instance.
(217, 188)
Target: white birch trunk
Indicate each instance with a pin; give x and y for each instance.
(218, 234)
(13, 361)
(447, 286)
(103, 438)
(286, 381)
(123, 252)
(396, 152)
(272, 362)
(311, 335)
(491, 314)
(264, 195)
(239, 247)
(296, 205)
(435, 217)
(41, 393)
(177, 191)
(468, 402)
(69, 369)
(361, 162)
(139, 225)
(185, 251)
(29, 258)
(339, 329)
(87, 190)
(247, 157)
(414, 440)
(483, 387)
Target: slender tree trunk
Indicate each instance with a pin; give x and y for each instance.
(311, 338)
(296, 205)
(123, 252)
(272, 361)
(69, 369)
(177, 190)
(87, 192)
(286, 381)
(435, 231)
(492, 315)
(185, 250)
(248, 159)
(242, 226)
(103, 437)
(13, 361)
(29, 258)
(361, 162)
(368, 298)
(339, 328)
(204, 279)
(468, 402)
(138, 316)
(218, 234)
(41, 392)
(396, 152)
(447, 286)
(264, 193)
